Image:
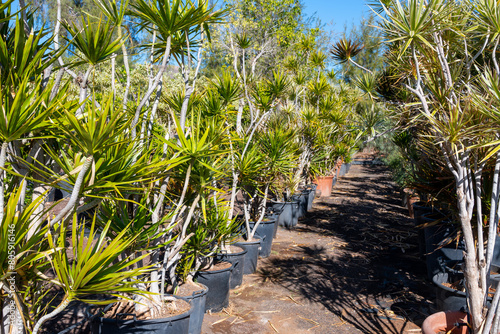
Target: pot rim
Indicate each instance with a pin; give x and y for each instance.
(136, 322)
(197, 293)
(243, 251)
(250, 242)
(219, 270)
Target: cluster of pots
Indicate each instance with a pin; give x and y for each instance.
(443, 250)
(215, 285)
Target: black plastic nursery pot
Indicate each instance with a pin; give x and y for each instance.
(436, 237)
(217, 282)
(197, 299)
(289, 215)
(303, 199)
(311, 196)
(265, 231)
(237, 258)
(343, 170)
(275, 217)
(448, 298)
(252, 255)
(178, 324)
(450, 295)
(419, 210)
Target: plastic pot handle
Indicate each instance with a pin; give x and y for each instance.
(125, 322)
(199, 292)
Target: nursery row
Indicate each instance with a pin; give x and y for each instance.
(116, 188)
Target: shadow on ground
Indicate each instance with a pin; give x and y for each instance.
(374, 280)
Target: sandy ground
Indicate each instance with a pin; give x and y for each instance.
(350, 266)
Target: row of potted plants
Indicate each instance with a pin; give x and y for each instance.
(128, 198)
(441, 82)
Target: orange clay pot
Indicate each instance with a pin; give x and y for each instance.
(445, 322)
(324, 185)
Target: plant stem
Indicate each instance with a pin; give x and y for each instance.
(145, 99)
(83, 91)
(183, 194)
(494, 306)
(262, 213)
(3, 158)
(127, 69)
(359, 66)
(113, 70)
(75, 193)
(52, 314)
(493, 213)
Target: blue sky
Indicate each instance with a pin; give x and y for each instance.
(334, 14)
(337, 13)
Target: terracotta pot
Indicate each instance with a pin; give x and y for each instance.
(453, 321)
(324, 185)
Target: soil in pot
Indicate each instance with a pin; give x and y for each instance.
(236, 256)
(265, 231)
(122, 319)
(251, 257)
(216, 278)
(196, 294)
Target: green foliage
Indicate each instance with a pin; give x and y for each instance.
(23, 55)
(369, 51)
(24, 111)
(209, 234)
(159, 192)
(146, 235)
(96, 267)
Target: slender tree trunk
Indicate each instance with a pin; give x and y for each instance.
(75, 194)
(137, 115)
(262, 213)
(113, 71)
(127, 70)
(52, 314)
(3, 158)
(239, 116)
(83, 91)
(471, 270)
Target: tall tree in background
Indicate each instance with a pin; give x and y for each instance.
(272, 26)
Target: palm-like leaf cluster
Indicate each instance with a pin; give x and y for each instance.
(345, 49)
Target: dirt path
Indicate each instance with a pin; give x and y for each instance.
(350, 266)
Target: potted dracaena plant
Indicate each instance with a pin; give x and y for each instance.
(455, 91)
(92, 149)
